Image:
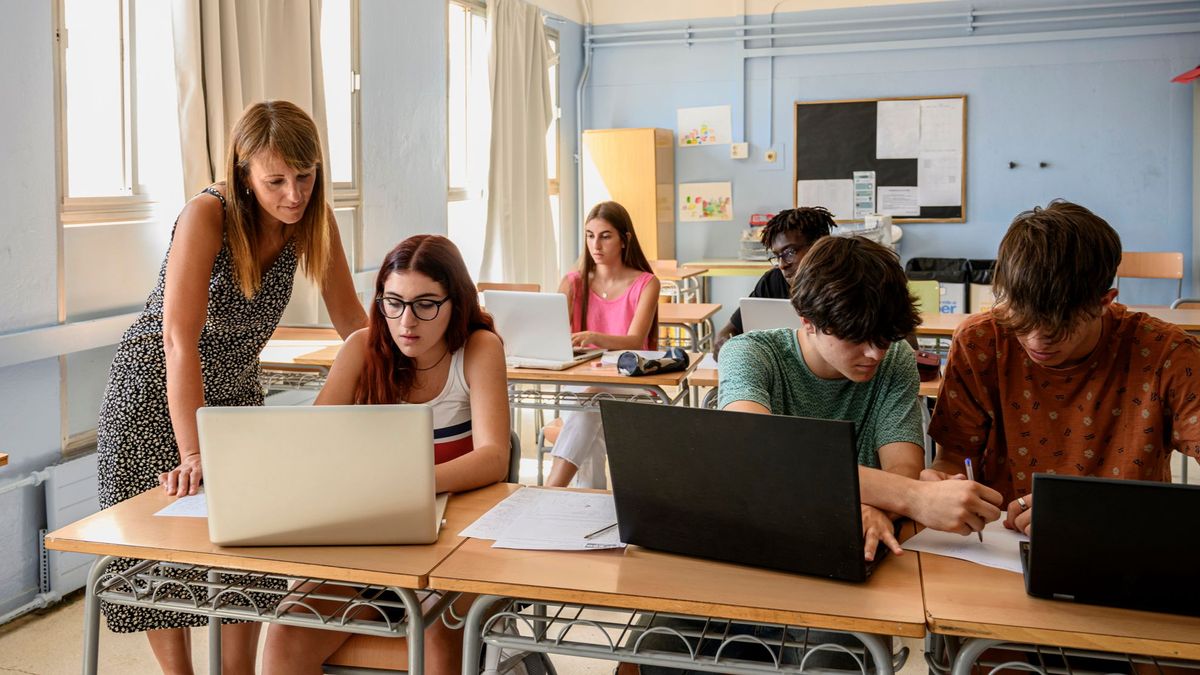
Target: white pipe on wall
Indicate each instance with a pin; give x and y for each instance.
(580, 206)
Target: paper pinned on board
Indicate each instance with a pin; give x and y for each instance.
(189, 506)
(1000, 547)
(898, 201)
(897, 129)
(557, 520)
(942, 125)
(939, 178)
(835, 195)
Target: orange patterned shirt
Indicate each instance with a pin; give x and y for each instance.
(1118, 414)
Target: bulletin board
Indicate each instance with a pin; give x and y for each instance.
(906, 157)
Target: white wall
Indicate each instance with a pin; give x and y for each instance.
(29, 393)
(403, 56)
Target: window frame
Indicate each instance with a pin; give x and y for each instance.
(458, 193)
(349, 194)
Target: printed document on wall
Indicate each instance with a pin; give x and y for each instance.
(942, 125)
(835, 195)
(899, 201)
(897, 129)
(939, 178)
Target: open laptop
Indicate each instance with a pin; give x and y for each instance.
(1122, 543)
(319, 475)
(762, 490)
(767, 313)
(536, 330)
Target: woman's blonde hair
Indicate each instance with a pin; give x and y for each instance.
(281, 128)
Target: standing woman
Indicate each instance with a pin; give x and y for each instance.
(221, 291)
(613, 304)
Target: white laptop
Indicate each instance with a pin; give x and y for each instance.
(536, 330)
(319, 475)
(767, 313)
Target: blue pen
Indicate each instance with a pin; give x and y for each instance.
(971, 476)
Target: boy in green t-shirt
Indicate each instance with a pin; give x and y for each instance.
(849, 361)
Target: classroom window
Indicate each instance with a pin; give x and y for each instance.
(553, 130)
(339, 56)
(119, 108)
(468, 106)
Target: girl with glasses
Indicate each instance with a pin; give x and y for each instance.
(613, 304)
(428, 341)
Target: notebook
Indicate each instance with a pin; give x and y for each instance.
(319, 475)
(536, 330)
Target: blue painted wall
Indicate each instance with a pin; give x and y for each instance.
(1103, 113)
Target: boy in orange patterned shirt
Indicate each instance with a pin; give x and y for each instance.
(1058, 378)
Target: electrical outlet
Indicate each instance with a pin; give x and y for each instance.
(739, 150)
(769, 156)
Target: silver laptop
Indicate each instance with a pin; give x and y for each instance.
(767, 313)
(536, 330)
(319, 475)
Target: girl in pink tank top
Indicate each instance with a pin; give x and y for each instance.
(613, 298)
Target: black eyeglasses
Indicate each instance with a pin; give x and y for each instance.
(787, 257)
(424, 309)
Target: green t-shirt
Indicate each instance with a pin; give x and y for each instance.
(767, 367)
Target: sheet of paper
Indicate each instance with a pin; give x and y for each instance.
(864, 193)
(538, 519)
(707, 362)
(939, 178)
(898, 201)
(942, 124)
(491, 524)
(1000, 547)
(705, 201)
(712, 125)
(191, 506)
(835, 195)
(897, 129)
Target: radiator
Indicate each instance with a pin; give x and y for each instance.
(71, 494)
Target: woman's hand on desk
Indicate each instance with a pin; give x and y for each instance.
(183, 479)
(878, 528)
(1020, 514)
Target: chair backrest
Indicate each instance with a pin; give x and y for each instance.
(514, 457)
(1186, 303)
(1152, 265)
(493, 286)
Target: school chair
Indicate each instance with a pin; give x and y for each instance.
(369, 653)
(546, 438)
(1157, 265)
(1186, 303)
(495, 286)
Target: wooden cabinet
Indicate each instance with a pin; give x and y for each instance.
(635, 167)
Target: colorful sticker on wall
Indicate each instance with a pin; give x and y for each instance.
(705, 126)
(705, 201)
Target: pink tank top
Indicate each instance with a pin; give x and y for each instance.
(613, 316)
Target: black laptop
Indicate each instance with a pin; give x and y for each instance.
(1122, 543)
(762, 490)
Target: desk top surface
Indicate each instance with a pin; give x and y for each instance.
(710, 377)
(686, 312)
(674, 273)
(638, 578)
(970, 600)
(288, 344)
(131, 529)
(750, 266)
(593, 372)
(3, 458)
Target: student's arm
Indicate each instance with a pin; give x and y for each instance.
(486, 376)
(194, 248)
(639, 328)
(337, 289)
(960, 506)
(343, 377)
(723, 335)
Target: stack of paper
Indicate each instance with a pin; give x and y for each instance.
(1000, 547)
(559, 520)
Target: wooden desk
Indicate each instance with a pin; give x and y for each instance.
(648, 581)
(990, 606)
(693, 317)
(3, 458)
(681, 283)
(281, 367)
(730, 267)
(710, 377)
(130, 529)
(944, 325)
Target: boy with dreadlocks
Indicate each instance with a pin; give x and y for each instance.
(788, 235)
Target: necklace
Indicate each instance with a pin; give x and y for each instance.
(435, 363)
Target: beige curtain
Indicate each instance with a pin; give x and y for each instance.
(520, 242)
(230, 54)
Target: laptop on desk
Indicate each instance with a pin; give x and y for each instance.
(319, 475)
(767, 313)
(536, 330)
(1121, 543)
(762, 490)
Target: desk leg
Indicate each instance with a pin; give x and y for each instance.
(880, 647)
(416, 630)
(214, 634)
(969, 652)
(473, 632)
(91, 616)
(693, 335)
